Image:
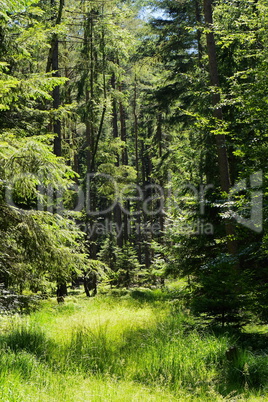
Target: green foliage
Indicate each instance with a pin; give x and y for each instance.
(103, 272)
(12, 303)
(221, 284)
(35, 245)
(219, 294)
(28, 165)
(123, 262)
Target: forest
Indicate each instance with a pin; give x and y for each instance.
(133, 168)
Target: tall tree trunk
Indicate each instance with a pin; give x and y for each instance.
(117, 212)
(90, 129)
(159, 134)
(139, 203)
(161, 180)
(88, 39)
(198, 31)
(123, 134)
(56, 99)
(114, 113)
(136, 128)
(123, 131)
(53, 64)
(96, 145)
(145, 182)
(218, 114)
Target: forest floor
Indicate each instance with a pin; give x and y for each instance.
(137, 345)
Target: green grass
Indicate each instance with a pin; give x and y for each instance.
(139, 346)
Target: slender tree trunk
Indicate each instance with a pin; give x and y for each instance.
(139, 203)
(90, 129)
(136, 128)
(114, 114)
(53, 64)
(56, 99)
(160, 145)
(89, 133)
(117, 212)
(147, 181)
(123, 132)
(218, 114)
(159, 134)
(96, 145)
(198, 32)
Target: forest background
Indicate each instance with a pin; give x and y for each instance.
(133, 143)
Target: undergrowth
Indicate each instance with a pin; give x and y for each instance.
(140, 346)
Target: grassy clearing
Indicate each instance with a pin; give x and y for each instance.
(141, 346)
(28, 380)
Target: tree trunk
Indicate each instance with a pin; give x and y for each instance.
(123, 133)
(53, 64)
(117, 212)
(136, 128)
(114, 114)
(161, 182)
(61, 290)
(198, 32)
(218, 114)
(56, 99)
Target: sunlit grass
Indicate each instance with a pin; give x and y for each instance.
(27, 380)
(115, 315)
(143, 346)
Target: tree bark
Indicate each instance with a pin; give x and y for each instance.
(223, 163)
(136, 127)
(53, 63)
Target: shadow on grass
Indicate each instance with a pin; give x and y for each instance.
(30, 339)
(244, 365)
(152, 295)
